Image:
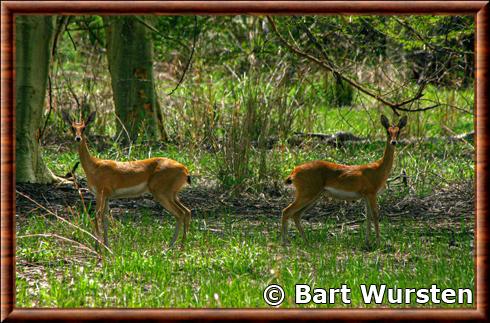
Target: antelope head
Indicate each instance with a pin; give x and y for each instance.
(393, 131)
(77, 128)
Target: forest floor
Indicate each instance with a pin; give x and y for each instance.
(442, 205)
(233, 250)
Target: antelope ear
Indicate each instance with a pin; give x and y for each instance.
(66, 117)
(384, 121)
(403, 122)
(90, 118)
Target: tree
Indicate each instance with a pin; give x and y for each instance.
(401, 58)
(130, 57)
(33, 43)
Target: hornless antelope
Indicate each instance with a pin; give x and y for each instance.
(344, 182)
(107, 179)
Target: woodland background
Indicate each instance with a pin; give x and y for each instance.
(241, 100)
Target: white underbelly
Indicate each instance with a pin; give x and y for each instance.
(343, 195)
(131, 191)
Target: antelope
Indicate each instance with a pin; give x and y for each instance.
(109, 179)
(344, 182)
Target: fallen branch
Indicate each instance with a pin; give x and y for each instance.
(463, 137)
(341, 225)
(339, 138)
(334, 139)
(53, 235)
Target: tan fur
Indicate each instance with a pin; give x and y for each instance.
(343, 182)
(161, 177)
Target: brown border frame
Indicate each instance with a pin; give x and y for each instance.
(9, 8)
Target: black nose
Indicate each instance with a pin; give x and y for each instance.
(77, 138)
(393, 142)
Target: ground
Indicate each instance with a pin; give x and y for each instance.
(233, 251)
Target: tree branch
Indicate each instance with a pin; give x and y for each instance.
(190, 58)
(159, 33)
(419, 110)
(328, 64)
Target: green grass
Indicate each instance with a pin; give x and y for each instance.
(230, 258)
(228, 261)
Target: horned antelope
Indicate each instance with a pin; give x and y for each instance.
(344, 182)
(108, 179)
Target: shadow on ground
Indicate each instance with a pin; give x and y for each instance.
(456, 201)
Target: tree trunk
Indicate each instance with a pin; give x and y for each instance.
(130, 58)
(33, 42)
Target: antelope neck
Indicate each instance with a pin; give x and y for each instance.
(387, 160)
(85, 158)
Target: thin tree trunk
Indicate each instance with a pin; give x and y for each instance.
(33, 42)
(130, 57)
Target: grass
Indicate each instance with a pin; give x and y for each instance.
(230, 257)
(229, 260)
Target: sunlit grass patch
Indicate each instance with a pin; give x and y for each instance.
(229, 265)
